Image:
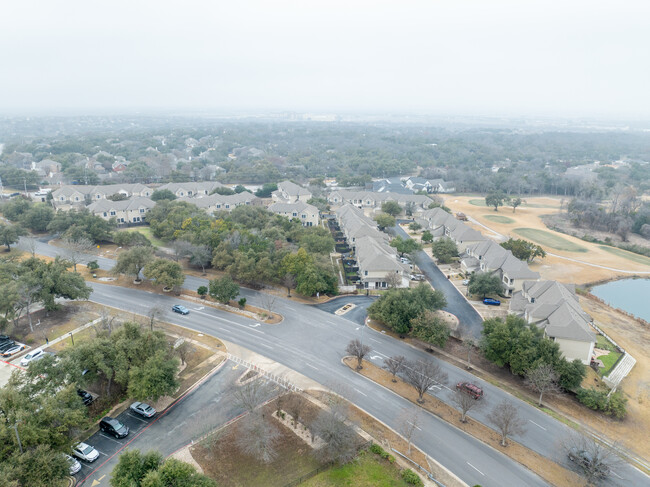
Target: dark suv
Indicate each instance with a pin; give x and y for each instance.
(114, 427)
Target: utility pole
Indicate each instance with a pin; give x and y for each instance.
(20, 445)
(25, 183)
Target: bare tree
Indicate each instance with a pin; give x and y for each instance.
(181, 249)
(468, 341)
(76, 250)
(268, 302)
(358, 350)
(393, 279)
(258, 437)
(251, 395)
(505, 418)
(465, 403)
(295, 406)
(594, 459)
(289, 281)
(28, 244)
(28, 296)
(200, 256)
(339, 438)
(543, 379)
(105, 322)
(422, 375)
(409, 424)
(154, 314)
(184, 350)
(394, 365)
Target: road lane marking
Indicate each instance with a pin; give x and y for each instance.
(289, 307)
(131, 415)
(476, 469)
(380, 353)
(537, 424)
(310, 365)
(361, 392)
(374, 357)
(614, 473)
(374, 339)
(414, 425)
(267, 346)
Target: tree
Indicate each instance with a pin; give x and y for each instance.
(163, 194)
(202, 291)
(414, 226)
(409, 208)
(76, 251)
(393, 279)
(37, 217)
(496, 200)
(224, 289)
(133, 466)
(154, 314)
(505, 418)
(258, 438)
(295, 406)
(184, 350)
(394, 365)
(200, 256)
(41, 466)
(289, 281)
(542, 379)
(181, 248)
(571, 374)
(384, 220)
(468, 342)
(266, 190)
(131, 239)
(155, 378)
(132, 261)
(594, 459)
(484, 283)
(358, 350)
(267, 300)
(409, 424)
(405, 245)
(251, 394)
(444, 249)
(524, 250)
(10, 234)
(430, 328)
(391, 208)
(149, 470)
(427, 236)
(28, 244)
(339, 438)
(465, 403)
(165, 273)
(515, 203)
(422, 375)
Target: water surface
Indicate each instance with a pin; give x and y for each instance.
(631, 295)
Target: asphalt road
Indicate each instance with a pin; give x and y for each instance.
(456, 303)
(312, 341)
(197, 413)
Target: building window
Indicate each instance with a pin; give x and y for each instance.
(62, 198)
(141, 210)
(99, 196)
(294, 214)
(182, 194)
(112, 213)
(365, 273)
(189, 193)
(76, 198)
(227, 206)
(383, 284)
(218, 206)
(105, 214)
(303, 216)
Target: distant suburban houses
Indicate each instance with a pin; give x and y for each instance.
(289, 192)
(193, 189)
(66, 197)
(370, 199)
(218, 202)
(125, 211)
(306, 213)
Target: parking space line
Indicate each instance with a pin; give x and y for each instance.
(136, 417)
(109, 438)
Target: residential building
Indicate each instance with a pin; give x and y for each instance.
(66, 197)
(554, 307)
(370, 199)
(192, 189)
(131, 211)
(306, 213)
(220, 202)
(289, 192)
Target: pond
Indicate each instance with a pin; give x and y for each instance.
(630, 295)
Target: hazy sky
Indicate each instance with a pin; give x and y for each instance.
(485, 57)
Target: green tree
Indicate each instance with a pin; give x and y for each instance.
(484, 283)
(131, 262)
(427, 236)
(131, 239)
(15, 208)
(38, 217)
(523, 249)
(266, 190)
(133, 466)
(414, 226)
(384, 220)
(515, 203)
(496, 200)
(166, 273)
(571, 373)
(81, 223)
(40, 466)
(54, 281)
(391, 208)
(430, 328)
(444, 249)
(224, 289)
(135, 469)
(405, 245)
(163, 194)
(10, 234)
(155, 378)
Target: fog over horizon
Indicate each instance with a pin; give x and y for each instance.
(468, 57)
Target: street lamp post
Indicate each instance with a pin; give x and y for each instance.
(20, 445)
(72, 338)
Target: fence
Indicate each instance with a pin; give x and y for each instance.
(429, 475)
(320, 469)
(281, 381)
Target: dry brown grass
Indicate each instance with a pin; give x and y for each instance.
(545, 468)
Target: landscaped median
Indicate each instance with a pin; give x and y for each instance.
(545, 468)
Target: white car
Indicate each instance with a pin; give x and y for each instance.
(143, 409)
(31, 356)
(466, 282)
(75, 466)
(85, 452)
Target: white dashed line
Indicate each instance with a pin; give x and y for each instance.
(310, 365)
(361, 392)
(476, 469)
(267, 346)
(537, 424)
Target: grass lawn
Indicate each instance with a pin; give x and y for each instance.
(146, 231)
(550, 240)
(608, 362)
(477, 202)
(481, 202)
(639, 259)
(603, 344)
(499, 219)
(367, 470)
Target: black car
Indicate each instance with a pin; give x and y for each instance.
(4, 338)
(85, 396)
(7, 345)
(114, 427)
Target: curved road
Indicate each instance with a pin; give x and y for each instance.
(312, 341)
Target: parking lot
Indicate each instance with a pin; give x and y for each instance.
(195, 414)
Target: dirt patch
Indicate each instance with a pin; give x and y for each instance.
(545, 468)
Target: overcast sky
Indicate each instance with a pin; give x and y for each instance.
(486, 57)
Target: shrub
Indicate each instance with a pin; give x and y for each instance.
(410, 477)
(202, 291)
(377, 449)
(242, 303)
(93, 265)
(614, 405)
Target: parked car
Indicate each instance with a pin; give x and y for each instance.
(85, 396)
(31, 356)
(417, 277)
(492, 302)
(466, 282)
(75, 466)
(85, 452)
(7, 345)
(143, 409)
(180, 309)
(472, 389)
(114, 427)
(404, 260)
(586, 460)
(4, 338)
(13, 350)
